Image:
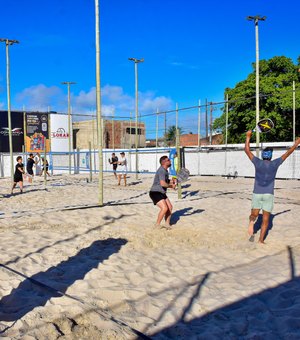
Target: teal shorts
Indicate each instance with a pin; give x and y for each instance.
(263, 201)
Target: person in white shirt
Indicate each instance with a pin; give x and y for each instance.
(122, 168)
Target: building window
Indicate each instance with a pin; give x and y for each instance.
(131, 131)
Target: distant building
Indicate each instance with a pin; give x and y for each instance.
(117, 134)
(191, 139)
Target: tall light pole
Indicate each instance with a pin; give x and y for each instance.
(136, 62)
(98, 103)
(9, 42)
(69, 83)
(256, 19)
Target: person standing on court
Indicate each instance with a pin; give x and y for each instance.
(29, 167)
(114, 162)
(263, 192)
(122, 169)
(37, 160)
(45, 167)
(158, 192)
(18, 175)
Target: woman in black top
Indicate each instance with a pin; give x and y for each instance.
(18, 176)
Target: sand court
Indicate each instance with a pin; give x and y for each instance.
(70, 269)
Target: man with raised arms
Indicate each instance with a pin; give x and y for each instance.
(263, 192)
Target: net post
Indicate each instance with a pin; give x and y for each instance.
(90, 159)
(179, 191)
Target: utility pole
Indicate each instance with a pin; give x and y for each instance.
(69, 83)
(211, 123)
(165, 118)
(98, 103)
(9, 42)
(136, 62)
(256, 19)
(206, 120)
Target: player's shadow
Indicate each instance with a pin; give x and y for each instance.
(190, 193)
(258, 222)
(184, 186)
(36, 290)
(135, 183)
(184, 212)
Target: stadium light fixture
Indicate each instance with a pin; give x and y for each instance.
(9, 42)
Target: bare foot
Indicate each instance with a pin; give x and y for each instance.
(261, 242)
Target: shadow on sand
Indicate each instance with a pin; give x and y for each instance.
(36, 290)
(272, 314)
(258, 222)
(184, 212)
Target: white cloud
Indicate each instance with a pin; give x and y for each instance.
(113, 99)
(40, 98)
(148, 103)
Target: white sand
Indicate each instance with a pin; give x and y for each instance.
(203, 279)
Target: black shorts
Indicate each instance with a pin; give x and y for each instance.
(157, 196)
(30, 172)
(18, 178)
(115, 167)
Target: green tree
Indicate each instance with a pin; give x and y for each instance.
(170, 135)
(276, 102)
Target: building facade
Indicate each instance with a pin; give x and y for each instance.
(117, 134)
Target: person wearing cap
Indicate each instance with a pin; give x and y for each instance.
(122, 169)
(263, 192)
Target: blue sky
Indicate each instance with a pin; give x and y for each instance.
(193, 50)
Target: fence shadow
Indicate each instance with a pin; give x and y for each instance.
(36, 290)
(271, 314)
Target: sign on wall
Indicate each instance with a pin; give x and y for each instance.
(60, 133)
(17, 129)
(37, 132)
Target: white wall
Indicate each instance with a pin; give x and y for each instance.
(206, 162)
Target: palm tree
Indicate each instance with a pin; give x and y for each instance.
(170, 135)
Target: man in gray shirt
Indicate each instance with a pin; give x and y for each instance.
(263, 193)
(158, 192)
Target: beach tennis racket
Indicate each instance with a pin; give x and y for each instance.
(264, 125)
(183, 175)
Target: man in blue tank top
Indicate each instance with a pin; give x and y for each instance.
(263, 192)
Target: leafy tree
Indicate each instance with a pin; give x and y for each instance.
(276, 102)
(170, 135)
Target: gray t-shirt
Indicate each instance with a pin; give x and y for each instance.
(265, 173)
(161, 175)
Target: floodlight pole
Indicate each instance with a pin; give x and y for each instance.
(98, 103)
(256, 19)
(294, 111)
(9, 42)
(136, 62)
(68, 83)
